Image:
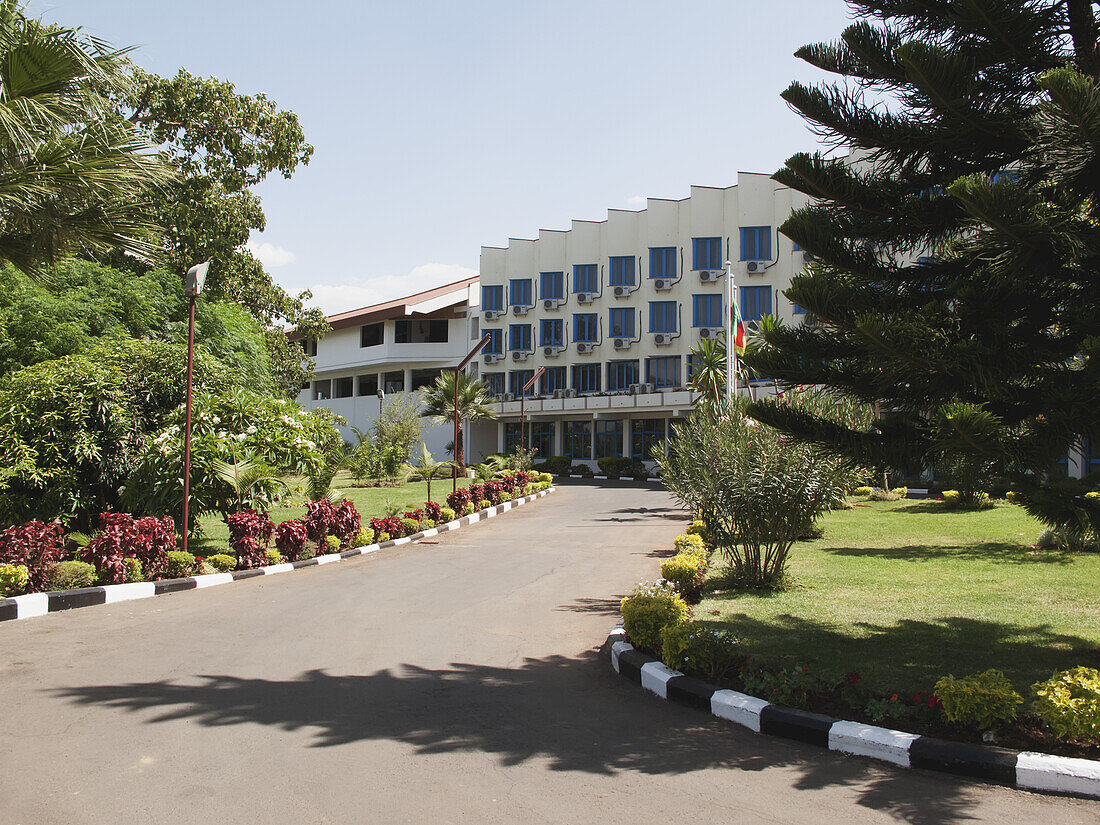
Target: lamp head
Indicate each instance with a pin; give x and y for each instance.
(195, 278)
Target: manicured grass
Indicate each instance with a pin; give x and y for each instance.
(906, 592)
(369, 501)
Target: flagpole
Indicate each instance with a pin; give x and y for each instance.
(731, 339)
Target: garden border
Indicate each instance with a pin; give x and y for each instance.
(1025, 770)
(39, 604)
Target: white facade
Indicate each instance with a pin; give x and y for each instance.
(623, 388)
(363, 354)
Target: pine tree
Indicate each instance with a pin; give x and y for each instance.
(955, 278)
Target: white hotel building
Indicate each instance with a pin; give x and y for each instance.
(613, 308)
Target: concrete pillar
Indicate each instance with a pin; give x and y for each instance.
(626, 437)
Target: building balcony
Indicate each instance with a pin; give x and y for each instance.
(600, 402)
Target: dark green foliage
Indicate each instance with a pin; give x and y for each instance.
(71, 575)
(983, 353)
(614, 466)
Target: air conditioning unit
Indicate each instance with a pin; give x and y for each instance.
(709, 332)
(662, 340)
(623, 343)
(622, 292)
(494, 357)
(584, 297)
(559, 394)
(709, 276)
(520, 356)
(756, 267)
(634, 388)
(519, 311)
(662, 284)
(552, 303)
(648, 388)
(508, 396)
(493, 314)
(551, 352)
(585, 349)
(569, 393)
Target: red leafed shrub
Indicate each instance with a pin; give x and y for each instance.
(121, 536)
(493, 489)
(392, 526)
(508, 484)
(477, 493)
(319, 520)
(416, 515)
(36, 544)
(249, 553)
(249, 533)
(458, 500)
(346, 522)
(433, 511)
(522, 478)
(290, 539)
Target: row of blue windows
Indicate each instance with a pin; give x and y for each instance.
(706, 253)
(706, 311)
(586, 440)
(663, 372)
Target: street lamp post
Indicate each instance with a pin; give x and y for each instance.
(192, 286)
(458, 371)
(522, 405)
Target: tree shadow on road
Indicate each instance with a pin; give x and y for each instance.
(574, 713)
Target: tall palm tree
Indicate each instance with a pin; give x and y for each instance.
(74, 174)
(474, 404)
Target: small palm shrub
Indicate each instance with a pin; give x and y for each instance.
(1069, 703)
(981, 700)
(648, 609)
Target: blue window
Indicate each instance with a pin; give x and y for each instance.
(553, 379)
(519, 290)
(550, 332)
(646, 435)
(706, 310)
(516, 380)
(622, 271)
(622, 323)
(756, 302)
(609, 437)
(585, 278)
(662, 316)
(662, 262)
(576, 439)
(756, 243)
(551, 285)
(538, 434)
(492, 298)
(584, 328)
(586, 378)
(663, 372)
(796, 246)
(519, 338)
(621, 374)
(799, 309)
(706, 253)
(495, 344)
(494, 382)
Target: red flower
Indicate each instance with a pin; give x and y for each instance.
(852, 678)
(893, 697)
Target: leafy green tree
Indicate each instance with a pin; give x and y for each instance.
(72, 180)
(953, 287)
(398, 427)
(474, 404)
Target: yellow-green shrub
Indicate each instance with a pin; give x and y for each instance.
(696, 649)
(691, 543)
(222, 562)
(699, 528)
(1012, 497)
(275, 557)
(134, 572)
(684, 571)
(980, 700)
(649, 608)
(14, 579)
(448, 514)
(951, 498)
(1069, 702)
(70, 575)
(546, 478)
(863, 492)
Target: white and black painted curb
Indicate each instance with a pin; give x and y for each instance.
(1018, 769)
(38, 604)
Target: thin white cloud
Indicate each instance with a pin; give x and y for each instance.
(353, 293)
(269, 255)
(636, 200)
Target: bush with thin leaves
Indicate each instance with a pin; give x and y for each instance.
(755, 490)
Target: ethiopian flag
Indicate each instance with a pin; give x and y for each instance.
(737, 326)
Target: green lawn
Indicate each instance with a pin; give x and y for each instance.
(369, 501)
(906, 592)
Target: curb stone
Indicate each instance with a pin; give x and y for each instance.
(39, 604)
(1018, 769)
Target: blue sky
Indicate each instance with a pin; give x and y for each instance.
(442, 126)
